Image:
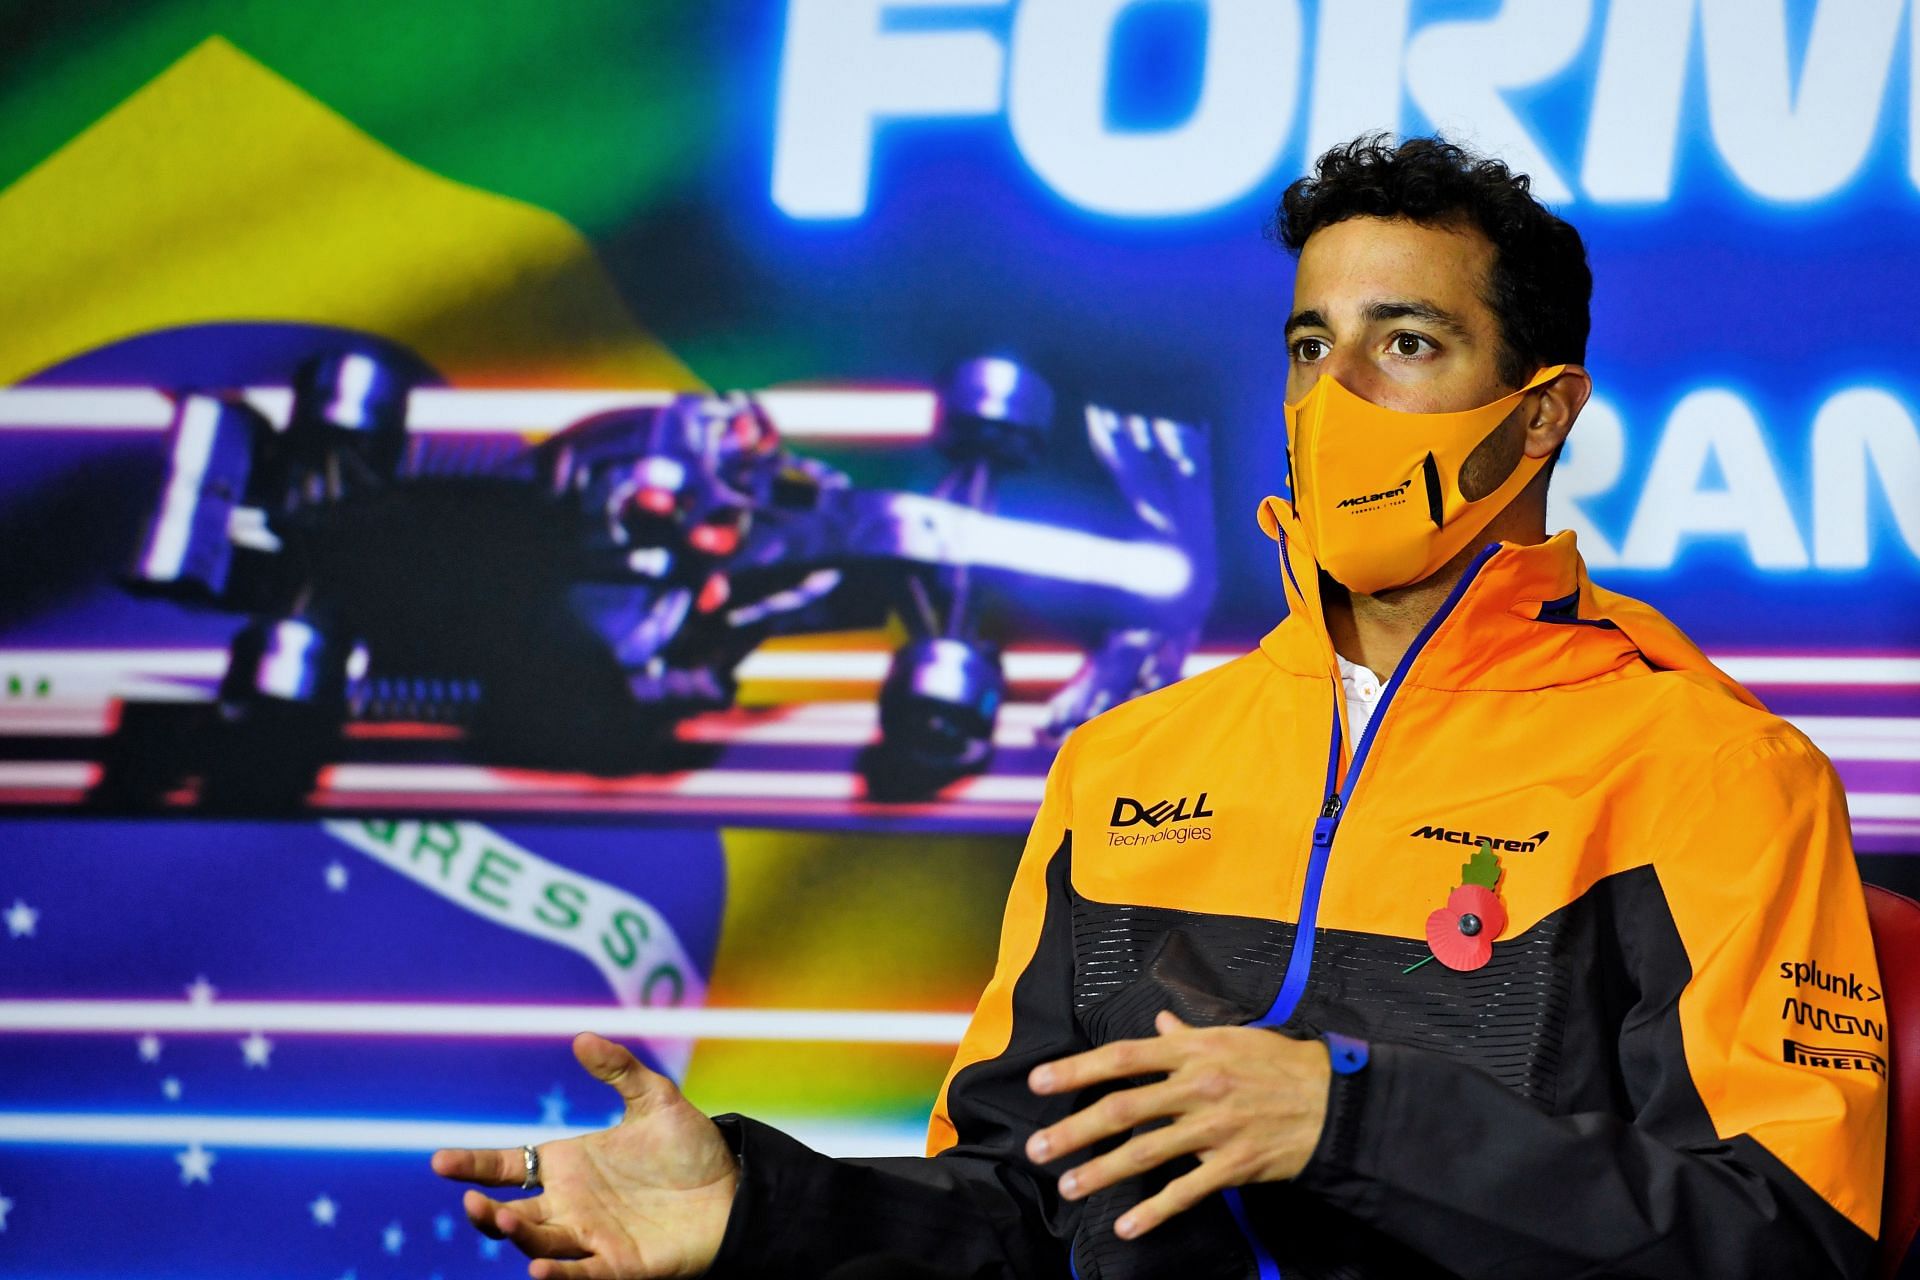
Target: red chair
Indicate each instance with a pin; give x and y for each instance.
(1896, 937)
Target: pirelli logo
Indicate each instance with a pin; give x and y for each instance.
(1808, 1055)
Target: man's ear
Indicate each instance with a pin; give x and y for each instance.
(1555, 406)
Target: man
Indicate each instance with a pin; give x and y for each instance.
(1543, 956)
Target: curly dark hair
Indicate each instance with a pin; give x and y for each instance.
(1540, 286)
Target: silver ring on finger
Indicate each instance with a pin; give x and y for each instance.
(532, 1157)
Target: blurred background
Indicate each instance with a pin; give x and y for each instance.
(523, 517)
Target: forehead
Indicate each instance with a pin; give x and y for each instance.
(1361, 260)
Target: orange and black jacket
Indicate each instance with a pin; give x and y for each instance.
(1673, 1064)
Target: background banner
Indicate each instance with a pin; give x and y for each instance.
(513, 513)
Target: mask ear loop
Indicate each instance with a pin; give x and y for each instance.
(1435, 508)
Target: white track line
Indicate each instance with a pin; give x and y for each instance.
(1869, 827)
(373, 1134)
(84, 408)
(459, 779)
(1787, 670)
(894, 414)
(850, 724)
(92, 713)
(38, 774)
(1882, 804)
(1022, 666)
(705, 784)
(852, 1026)
(126, 664)
(1863, 737)
(858, 723)
(1026, 666)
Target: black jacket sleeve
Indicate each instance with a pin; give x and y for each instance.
(977, 1208)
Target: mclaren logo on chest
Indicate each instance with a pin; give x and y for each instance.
(1500, 844)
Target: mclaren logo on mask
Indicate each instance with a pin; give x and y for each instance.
(1500, 844)
(1368, 499)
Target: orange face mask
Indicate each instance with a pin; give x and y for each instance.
(1378, 490)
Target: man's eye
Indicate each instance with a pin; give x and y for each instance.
(1309, 349)
(1410, 345)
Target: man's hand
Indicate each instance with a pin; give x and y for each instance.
(646, 1198)
(1249, 1103)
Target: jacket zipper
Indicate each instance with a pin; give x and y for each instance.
(1338, 800)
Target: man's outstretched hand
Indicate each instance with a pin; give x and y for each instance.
(646, 1198)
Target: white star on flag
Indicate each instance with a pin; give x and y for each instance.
(20, 919)
(201, 992)
(553, 1106)
(324, 1210)
(6, 1206)
(392, 1238)
(149, 1047)
(196, 1164)
(255, 1049)
(489, 1248)
(170, 1088)
(443, 1226)
(336, 876)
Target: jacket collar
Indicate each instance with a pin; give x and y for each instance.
(1529, 618)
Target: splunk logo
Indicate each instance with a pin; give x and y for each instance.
(1371, 498)
(1500, 844)
(1808, 973)
(1169, 820)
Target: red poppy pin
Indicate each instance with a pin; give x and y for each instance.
(1462, 932)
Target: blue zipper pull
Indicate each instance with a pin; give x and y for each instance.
(1329, 818)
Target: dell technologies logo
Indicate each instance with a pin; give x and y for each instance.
(1174, 820)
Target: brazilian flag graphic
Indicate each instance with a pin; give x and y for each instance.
(495, 195)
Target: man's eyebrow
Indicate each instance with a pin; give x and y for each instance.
(1417, 309)
(1389, 309)
(1305, 320)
